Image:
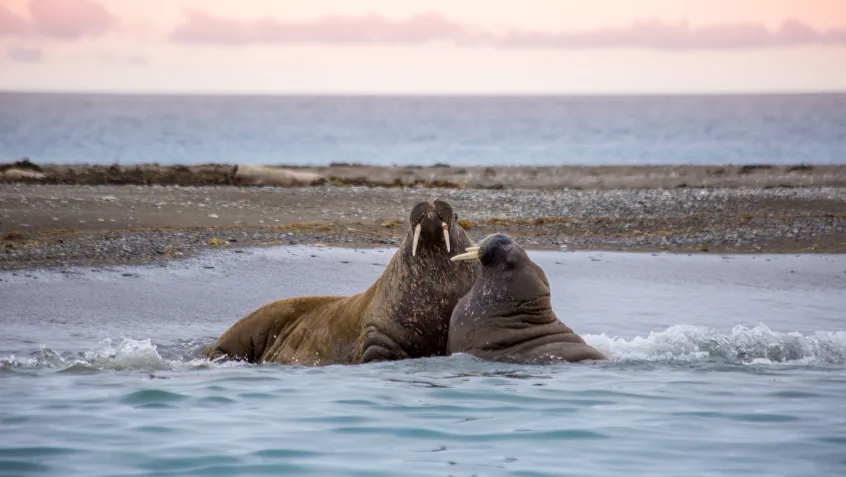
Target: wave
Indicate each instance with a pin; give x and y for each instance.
(678, 343)
(757, 345)
(126, 354)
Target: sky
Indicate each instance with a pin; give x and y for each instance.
(423, 47)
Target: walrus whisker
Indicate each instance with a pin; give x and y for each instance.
(446, 235)
(416, 238)
(474, 255)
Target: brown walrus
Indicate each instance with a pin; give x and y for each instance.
(404, 314)
(507, 315)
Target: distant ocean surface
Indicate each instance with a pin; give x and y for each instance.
(299, 130)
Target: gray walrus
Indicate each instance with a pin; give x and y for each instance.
(507, 315)
(403, 314)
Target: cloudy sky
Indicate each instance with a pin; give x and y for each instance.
(415, 46)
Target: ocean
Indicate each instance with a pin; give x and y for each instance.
(460, 131)
(721, 365)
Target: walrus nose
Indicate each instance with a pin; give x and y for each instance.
(431, 218)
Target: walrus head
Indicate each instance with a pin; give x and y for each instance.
(501, 256)
(419, 288)
(434, 226)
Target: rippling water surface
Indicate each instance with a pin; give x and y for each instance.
(720, 366)
(474, 130)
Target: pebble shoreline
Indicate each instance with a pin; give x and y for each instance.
(61, 225)
(448, 177)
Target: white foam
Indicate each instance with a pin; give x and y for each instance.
(686, 343)
(128, 354)
(758, 345)
(125, 354)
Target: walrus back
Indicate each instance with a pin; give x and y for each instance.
(249, 338)
(325, 334)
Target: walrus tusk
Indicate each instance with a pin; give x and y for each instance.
(416, 238)
(472, 255)
(471, 249)
(446, 236)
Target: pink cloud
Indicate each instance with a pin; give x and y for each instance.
(118, 59)
(205, 28)
(24, 54)
(11, 24)
(137, 60)
(61, 19)
(655, 34)
(837, 35)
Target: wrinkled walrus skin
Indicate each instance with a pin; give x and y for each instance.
(403, 314)
(507, 316)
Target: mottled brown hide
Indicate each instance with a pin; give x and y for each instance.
(403, 314)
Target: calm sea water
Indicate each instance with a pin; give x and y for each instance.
(730, 365)
(424, 130)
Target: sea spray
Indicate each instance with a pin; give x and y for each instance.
(758, 345)
(678, 343)
(117, 355)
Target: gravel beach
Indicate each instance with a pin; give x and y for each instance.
(61, 225)
(450, 177)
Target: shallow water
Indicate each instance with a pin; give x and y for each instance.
(722, 365)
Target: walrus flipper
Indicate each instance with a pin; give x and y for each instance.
(555, 353)
(249, 338)
(377, 346)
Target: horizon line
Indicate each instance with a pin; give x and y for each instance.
(350, 94)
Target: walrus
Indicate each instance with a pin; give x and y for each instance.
(507, 315)
(403, 314)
